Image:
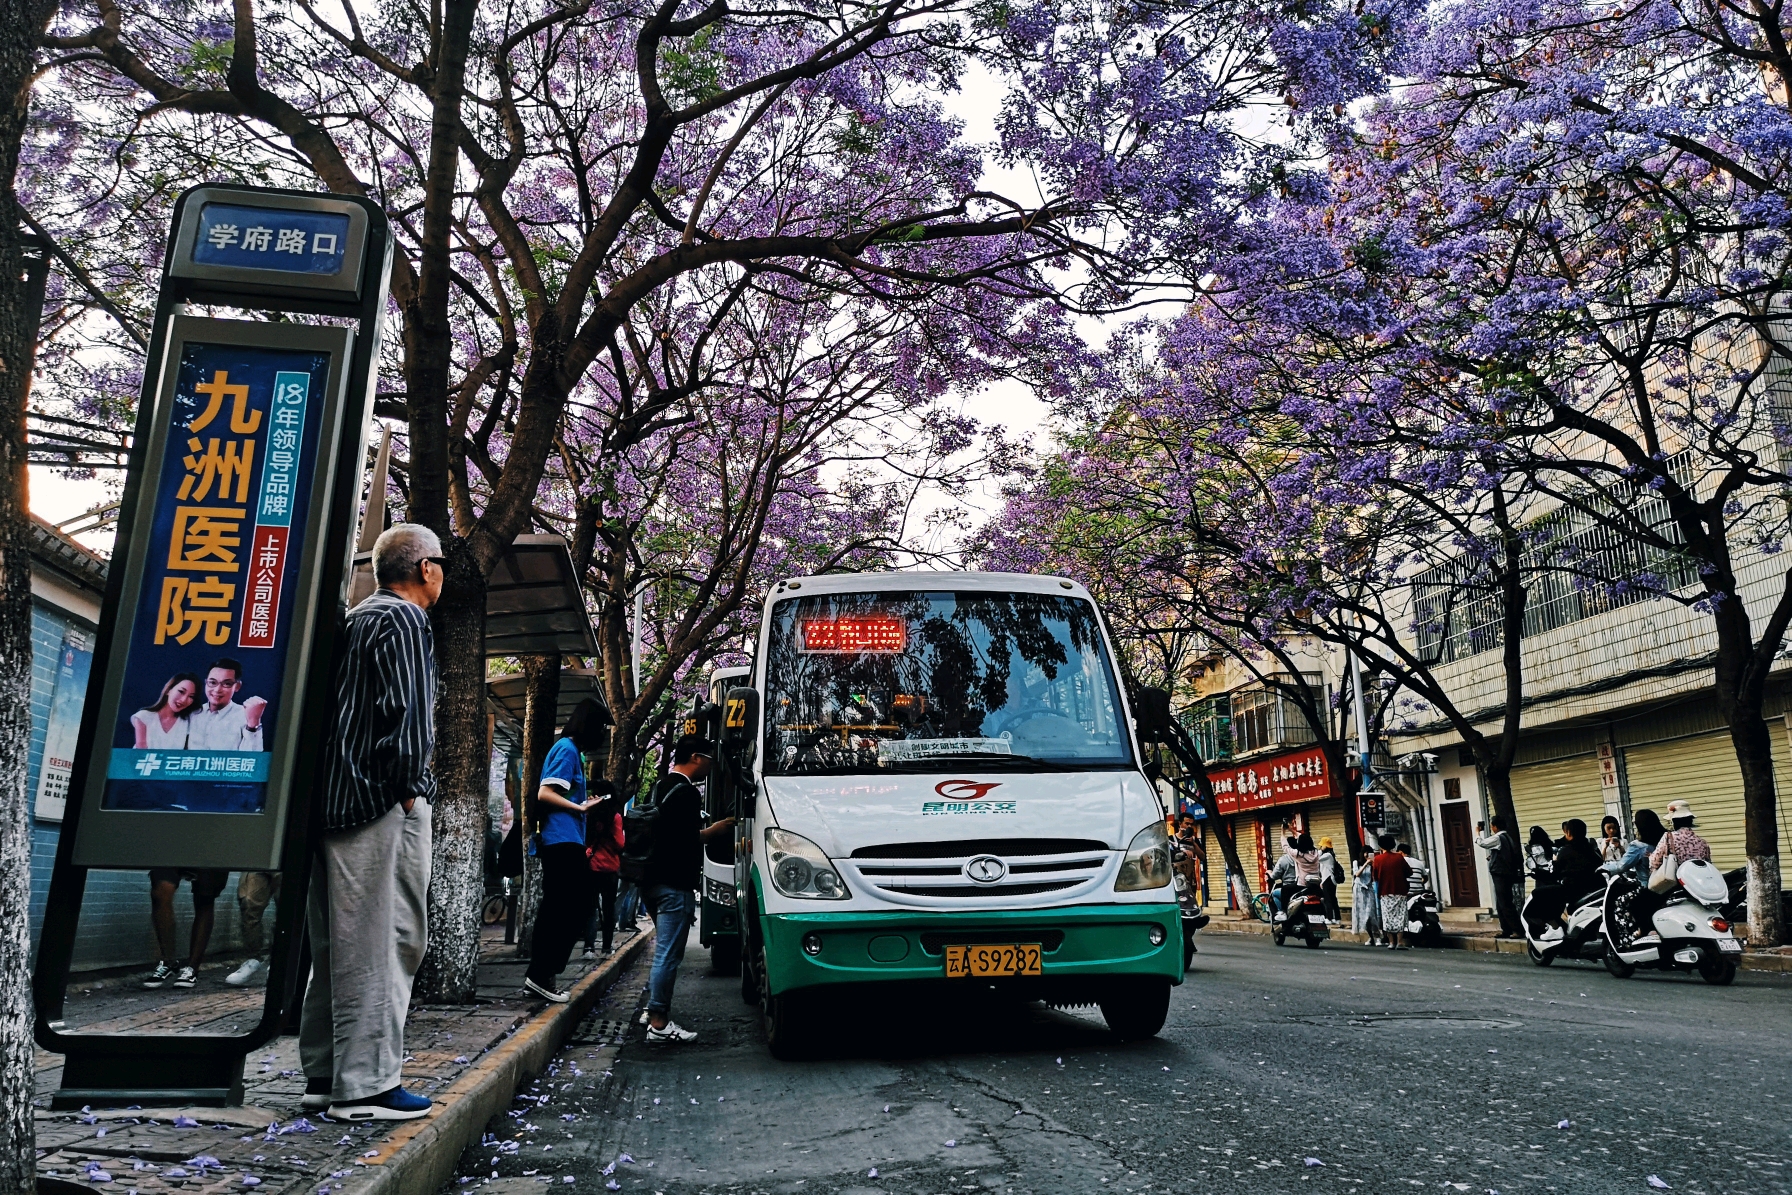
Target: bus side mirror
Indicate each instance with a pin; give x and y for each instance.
(1151, 713)
(739, 721)
(740, 717)
(701, 721)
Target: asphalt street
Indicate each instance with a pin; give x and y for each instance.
(1344, 1068)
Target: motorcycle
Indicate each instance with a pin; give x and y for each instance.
(1303, 916)
(1578, 935)
(1188, 902)
(1422, 920)
(1686, 931)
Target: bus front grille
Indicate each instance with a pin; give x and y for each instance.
(918, 878)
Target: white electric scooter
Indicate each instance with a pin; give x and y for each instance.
(1688, 933)
(1578, 935)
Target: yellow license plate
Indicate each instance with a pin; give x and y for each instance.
(967, 962)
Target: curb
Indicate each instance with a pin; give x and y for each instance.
(1769, 961)
(421, 1155)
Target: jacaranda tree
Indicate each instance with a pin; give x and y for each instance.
(549, 168)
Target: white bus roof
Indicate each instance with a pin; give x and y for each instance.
(930, 580)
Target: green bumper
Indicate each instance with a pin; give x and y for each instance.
(717, 921)
(1086, 941)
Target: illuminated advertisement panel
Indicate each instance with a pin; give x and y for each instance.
(204, 678)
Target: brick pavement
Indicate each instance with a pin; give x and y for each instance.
(267, 1145)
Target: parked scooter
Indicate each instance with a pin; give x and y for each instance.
(1422, 920)
(1303, 917)
(1577, 936)
(1685, 932)
(1188, 902)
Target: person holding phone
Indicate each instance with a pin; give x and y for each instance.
(567, 883)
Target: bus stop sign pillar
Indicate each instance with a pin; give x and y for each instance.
(208, 708)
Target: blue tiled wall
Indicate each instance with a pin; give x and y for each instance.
(114, 930)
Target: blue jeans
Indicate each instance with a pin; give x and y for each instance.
(628, 905)
(672, 910)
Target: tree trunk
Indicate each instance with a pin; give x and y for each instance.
(1196, 767)
(1498, 777)
(1241, 887)
(21, 304)
(450, 972)
(541, 699)
(1740, 671)
(1754, 751)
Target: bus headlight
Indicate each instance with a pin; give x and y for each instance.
(719, 893)
(800, 869)
(1147, 862)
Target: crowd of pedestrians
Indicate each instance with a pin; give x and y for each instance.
(1386, 877)
(368, 895)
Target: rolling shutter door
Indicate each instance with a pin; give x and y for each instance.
(1249, 834)
(1704, 772)
(1782, 780)
(1326, 820)
(1548, 794)
(1213, 869)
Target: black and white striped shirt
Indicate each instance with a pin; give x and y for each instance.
(385, 715)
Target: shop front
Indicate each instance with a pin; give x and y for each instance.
(1264, 801)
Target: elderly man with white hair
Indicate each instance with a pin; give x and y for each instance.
(370, 877)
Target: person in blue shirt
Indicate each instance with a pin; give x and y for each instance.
(1635, 859)
(567, 889)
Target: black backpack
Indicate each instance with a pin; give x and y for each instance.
(638, 829)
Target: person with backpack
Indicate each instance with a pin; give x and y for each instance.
(566, 879)
(1331, 874)
(605, 839)
(668, 869)
(1505, 863)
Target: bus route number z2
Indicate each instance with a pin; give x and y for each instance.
(972, 962)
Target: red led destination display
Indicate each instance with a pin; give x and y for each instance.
(882, 634)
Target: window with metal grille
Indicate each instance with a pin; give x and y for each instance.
(1574, 566)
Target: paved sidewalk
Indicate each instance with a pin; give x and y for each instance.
(473, 1055)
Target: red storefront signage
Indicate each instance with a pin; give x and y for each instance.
(1289, 779)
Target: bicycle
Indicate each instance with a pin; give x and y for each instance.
(1260, 908)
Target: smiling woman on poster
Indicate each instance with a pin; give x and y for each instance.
(164, 724)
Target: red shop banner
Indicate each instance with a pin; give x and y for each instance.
(1289, 779)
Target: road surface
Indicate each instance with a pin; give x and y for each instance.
(1340, 1069)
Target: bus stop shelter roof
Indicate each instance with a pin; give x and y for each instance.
(576, 684)
(533, 603)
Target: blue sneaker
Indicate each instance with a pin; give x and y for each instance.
(397, 1104)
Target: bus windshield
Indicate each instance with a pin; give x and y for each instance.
(861, 682)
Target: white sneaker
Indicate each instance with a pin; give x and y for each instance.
(589, 954)
(546, 993)
(244, 975)
(671, 1032)
(643, 1018)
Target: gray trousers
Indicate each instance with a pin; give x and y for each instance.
(367, 912)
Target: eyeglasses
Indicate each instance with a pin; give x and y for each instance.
(440, 562)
